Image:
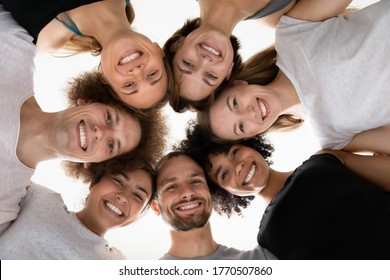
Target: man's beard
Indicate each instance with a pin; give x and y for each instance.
(189, 222)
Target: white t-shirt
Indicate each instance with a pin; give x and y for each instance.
(17, 54)
(340, 69)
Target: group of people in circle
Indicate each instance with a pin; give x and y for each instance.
(328, 66)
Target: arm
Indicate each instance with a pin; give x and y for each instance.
(52, 37)
(317, 10)
(375, 140)
(375, 168)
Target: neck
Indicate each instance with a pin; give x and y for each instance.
(193, 243)
(288, 96)
(102, 20)
(88, 223)
(33, 140)
(221, 16)
(275, 183)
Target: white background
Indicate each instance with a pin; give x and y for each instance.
(149, 237)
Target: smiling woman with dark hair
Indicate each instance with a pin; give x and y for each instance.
(327, 208)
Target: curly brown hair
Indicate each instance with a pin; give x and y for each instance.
(199, 147)
(178, 103)
(153, 124)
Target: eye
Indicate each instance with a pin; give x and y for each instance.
(170, 187)
(234, 153)
(241, 127)
(108, 118)
(139, 197)
(211, 76)
(195, 182)
(117, 181)
(152, 74)
(235, 104)
(129, 85)
(187, 63)
(224, 175)
(110, 146)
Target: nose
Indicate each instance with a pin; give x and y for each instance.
(239, 167)
(98, 133)
(250, 112)
(121, 198)
(206, 58)
(187, 191)
(138, 69)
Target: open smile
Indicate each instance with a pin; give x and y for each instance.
(250, 175)
(211, 50)
(83, 136)
(114, 209)
(129, 57)
(263, 108)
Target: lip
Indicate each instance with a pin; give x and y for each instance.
(211, 50)
(260, 102)
(130, 57)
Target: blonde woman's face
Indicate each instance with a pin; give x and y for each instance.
(134, 67)
(243, 111)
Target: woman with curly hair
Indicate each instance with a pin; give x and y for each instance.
(327, 208)
(203, 54)
(120, 192)
(131, 64)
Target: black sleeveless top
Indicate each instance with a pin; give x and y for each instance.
(325, 211)
(34, 15)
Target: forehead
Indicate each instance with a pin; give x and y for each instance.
(178, 166)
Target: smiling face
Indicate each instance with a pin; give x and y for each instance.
(95, 132)
(242, 172)
(203, 60)
(116, 201)
(243, 111)
(133, 65)
(183, 196)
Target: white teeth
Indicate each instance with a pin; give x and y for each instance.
(83, 138)
(115, 209)
(129, 58)
(191, 206)
(213, 51)
(263, 109)
(250, 174)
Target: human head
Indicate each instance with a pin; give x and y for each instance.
(198, 144)
(192, 48)
(121, 190)
(131, 65)
(182, 198)
(153, 127)
(248, 107)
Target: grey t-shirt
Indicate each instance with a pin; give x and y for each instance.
(227, 253)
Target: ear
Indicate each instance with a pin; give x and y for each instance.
(159, 49)
(176, 45)
(81, 102)
(240, 83)
(230, 72)
(154, 207)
